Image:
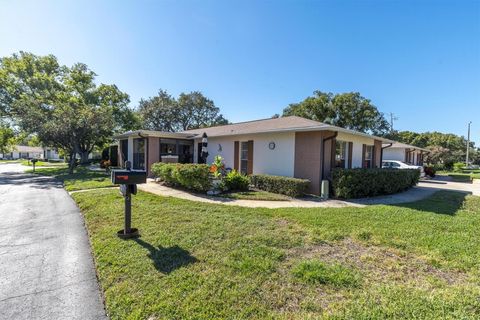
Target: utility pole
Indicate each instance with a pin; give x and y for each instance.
(392, 118)
(468, 143)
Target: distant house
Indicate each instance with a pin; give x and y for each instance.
(405, 152)
(28, 152)
(287, 146)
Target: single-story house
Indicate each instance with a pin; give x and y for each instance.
(24, 152)
(286, 146)
(28, 152)
(405, 152)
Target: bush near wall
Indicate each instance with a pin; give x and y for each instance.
(359, 183)
(190, 176)
(235, 181)
(277, 184)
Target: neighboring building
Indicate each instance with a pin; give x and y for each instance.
(28, 152)
(404, 152)
(51, 154)
(286, 146)
(24, 152)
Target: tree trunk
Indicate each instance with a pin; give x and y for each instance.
(84, 157)
(71, 163)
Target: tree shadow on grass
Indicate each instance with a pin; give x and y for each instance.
(441, 202)
(168, 259)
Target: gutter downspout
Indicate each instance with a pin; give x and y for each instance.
(322, 155)
(381, 153)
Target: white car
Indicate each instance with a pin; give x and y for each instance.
(395, 164)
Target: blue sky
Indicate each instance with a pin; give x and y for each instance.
(417, 59)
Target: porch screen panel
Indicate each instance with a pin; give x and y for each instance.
(139, 154)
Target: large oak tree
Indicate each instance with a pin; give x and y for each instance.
(346, 110)
(62, 105)
(190, 111)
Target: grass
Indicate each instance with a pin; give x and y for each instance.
(315, 271)
(254, 195)
(81, 179)
(9, 161)
(464, 176)
(43, 164)
(209, 261)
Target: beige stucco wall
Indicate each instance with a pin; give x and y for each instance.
(279, 161)
(358, 142)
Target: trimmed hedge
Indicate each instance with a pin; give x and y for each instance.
(359, 183)
(277, 184)
(190, 176)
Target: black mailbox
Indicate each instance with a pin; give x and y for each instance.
(128, 177)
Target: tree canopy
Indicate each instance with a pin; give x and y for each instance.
(62, 105)
(190, 111)
(445, 148)
(7, 138)
(346, 110)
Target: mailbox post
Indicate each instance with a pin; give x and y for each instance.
(33, 164)
(128, 180)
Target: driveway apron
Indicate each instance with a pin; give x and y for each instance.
(46, 269)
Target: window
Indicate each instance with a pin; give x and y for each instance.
(395, 165)
(367, 162)
(340, 154)
(244, 157)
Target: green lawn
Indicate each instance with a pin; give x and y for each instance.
(9, 161)
(81, 179)
(207, 261)
(43, 164)
(465, 176)
(254, 195)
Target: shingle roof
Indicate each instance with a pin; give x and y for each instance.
(407, 146)
(282, 124)
(256, 126)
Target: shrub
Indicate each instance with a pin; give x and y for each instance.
(277, 184)
(164, 171)
(458, 166)
(234, 180)
(105, 164)
(190, 176)
(430, 171)
(217, 169)
(358, 183)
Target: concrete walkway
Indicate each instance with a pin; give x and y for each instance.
(46, 269)
(423, 190)
(162, 190)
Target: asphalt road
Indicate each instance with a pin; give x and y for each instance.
(46, 267)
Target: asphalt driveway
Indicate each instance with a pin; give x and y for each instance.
(46, 269)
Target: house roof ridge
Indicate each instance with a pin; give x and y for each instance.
(314, 122)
